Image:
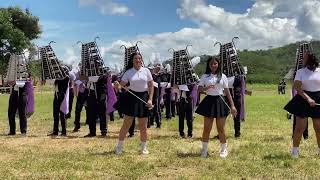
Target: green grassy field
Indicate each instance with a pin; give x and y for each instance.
(262, 152)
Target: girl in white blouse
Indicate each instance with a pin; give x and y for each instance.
(214, 105)
(306, 103)
(139, 82)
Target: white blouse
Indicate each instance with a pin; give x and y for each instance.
(207, 80)
(138, 79)
(310, 79)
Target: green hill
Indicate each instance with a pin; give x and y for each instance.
(265, 66)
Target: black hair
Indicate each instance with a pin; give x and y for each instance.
(311, 61)
(130, 62)
(208, 69)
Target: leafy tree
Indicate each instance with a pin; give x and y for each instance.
(17, 29)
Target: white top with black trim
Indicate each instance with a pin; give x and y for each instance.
(211, 79)
(138, 79)
(310, 79)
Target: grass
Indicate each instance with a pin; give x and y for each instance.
(262, 152)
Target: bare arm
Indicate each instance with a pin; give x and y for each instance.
(227, 93)
(232, 107)
(298, 86)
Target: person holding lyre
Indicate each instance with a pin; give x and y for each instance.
(60, 104)
(214, 105)
(138, 100)
(306, 103)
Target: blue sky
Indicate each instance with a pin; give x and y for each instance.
(169, 23)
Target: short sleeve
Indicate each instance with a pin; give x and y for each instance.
(202, 80)
(298, 76)
(224, 81)
(149, 75)
(125, 77)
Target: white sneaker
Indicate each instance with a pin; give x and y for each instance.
(145, 151)
(204, 153)
(118, 150)
(224, 153)
(294, 153)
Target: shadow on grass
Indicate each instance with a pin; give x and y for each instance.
(105, 153)
(280, 156)
(273, 138)
(188, 154)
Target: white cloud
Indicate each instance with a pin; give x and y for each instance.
(266, 23)
(108, 7)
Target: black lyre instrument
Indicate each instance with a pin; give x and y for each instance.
(182, 71)
(17, 69)
(229, 58)
(301, 50)
(51, 67)
(92, 64)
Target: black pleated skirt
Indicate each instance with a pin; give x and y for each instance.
(213, 107)
(132, 106)
(300, 107)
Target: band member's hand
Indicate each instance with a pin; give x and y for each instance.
(125, 88)
(210, 86)
(149, 104)
(234, 111)
(311, 102)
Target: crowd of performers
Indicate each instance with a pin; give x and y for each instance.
(141, 93)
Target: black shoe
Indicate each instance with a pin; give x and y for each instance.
(182, 135)
(52, 134)
(305, 137)
(68, 116)
(89, 135)
(11, 133)
(76, 129)
(216, 137)
(104, 135)
(130, 135)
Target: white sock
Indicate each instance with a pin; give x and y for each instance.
(143, 145)
(223, 146)
(295, 149)
(205, 145)
(120, 143)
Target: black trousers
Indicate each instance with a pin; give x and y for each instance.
(185, 112)
(237, 120)
(173, 108)
(18, 101)
(167, 98)
(81, 99)
(71, 96)
(96, 109)
(156, 113)
(57, 114)
(305, 132)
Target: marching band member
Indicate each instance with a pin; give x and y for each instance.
(72, 77)
(306, 103)
(60, 105)
(21, 97)
(82, 95)
(185, 109)
(156, 110)
(97, 104)
(141, 87)
(214, 106)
